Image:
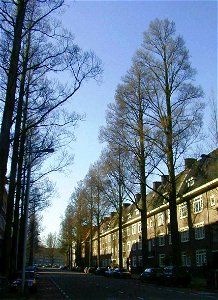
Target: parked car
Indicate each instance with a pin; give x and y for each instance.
(30, 281)
(176, 275)
(109, 272)
(151, 274)
(100, 270)
(121, 273)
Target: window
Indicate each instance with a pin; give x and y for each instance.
(124, 247)
(197, 205)
(128, 231)
(201, 257)
(161, 240)
(149, 245)
(183, 211)
(169, 238)
(199, 231)
(161, 260)
(128, 246)
(137, 212)
(160, 219)
(186, 261)
(139, 227)
(168, 216)
(140, 261)
(151, 223)
(140, 244)
(190, 181)
(212, 200)
(134, 229)
(184, 234)
(134, 264)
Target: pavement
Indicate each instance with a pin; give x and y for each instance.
(47, 289)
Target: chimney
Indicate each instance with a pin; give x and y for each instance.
(125, 205)
(189, 162)
(113, 214)
(164, 179)
(156, 184)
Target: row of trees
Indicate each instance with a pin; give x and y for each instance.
(35, 49)
(155, 119)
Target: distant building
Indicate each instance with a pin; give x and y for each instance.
(49, 257)
(197, 213)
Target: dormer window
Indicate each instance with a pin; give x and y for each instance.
(137, 212)
(190, 181)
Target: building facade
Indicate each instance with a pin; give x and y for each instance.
(197, 215)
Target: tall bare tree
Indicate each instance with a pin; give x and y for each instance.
(175, 104)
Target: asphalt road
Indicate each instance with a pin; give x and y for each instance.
(81, 286)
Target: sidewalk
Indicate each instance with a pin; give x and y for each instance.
(46, 290)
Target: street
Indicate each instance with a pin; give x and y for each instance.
(72, 285)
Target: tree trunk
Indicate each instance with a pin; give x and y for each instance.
(10, 98)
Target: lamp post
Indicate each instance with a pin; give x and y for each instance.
(26, 208)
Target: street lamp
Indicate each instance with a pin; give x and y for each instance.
(26, 207)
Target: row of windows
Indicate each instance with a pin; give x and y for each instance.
(183, 213)
(200, 257)
(197, 206)
(199, 232)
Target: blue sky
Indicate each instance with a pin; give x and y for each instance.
(114, 31)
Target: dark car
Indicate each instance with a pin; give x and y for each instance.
(30, 281)
(151, 275)
(109, 272)
(100, 270)
(176, 275)
(121, 273)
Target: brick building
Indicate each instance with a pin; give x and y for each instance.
(197, 214)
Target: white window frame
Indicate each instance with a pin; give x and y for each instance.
(190, 181)
(161, 259)
(198, 205)
(199, 231)
(201, 257)
(183, 210)
(161, 239)
(137, 211)
(139, 227)
(133, 229)
(184, 232)
(168, 216)
(129, 246)
(212, 200)
(160, 218)
(186, 260)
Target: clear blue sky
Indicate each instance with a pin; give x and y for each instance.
(114, 31)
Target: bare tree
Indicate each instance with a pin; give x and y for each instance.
(174, 103)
